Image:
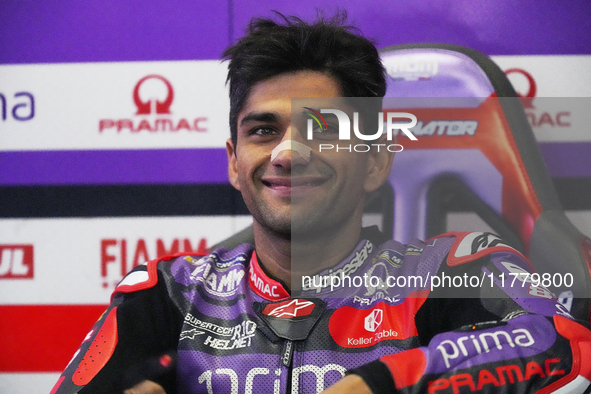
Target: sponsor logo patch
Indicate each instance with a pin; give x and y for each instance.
(220, 337)
(483, 342)
(487, 378)
(389, 256)
(378, 296)
(290, 308)
(354, 328)
(374, 320)
(265, 380)
(262, 285)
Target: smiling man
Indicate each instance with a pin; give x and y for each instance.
(269, 317)
(306, 206)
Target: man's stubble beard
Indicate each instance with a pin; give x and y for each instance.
(299, 222)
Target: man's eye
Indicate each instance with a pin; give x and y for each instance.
(324, 132)
(263, 131)
(332, 128)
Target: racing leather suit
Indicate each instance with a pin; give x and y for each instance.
(233, 329)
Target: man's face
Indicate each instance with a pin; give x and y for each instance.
(289, 194)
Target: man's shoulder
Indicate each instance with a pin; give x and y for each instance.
(220, 259)
(439, 245)
(469, 246)
(454, 247)
(187, 268)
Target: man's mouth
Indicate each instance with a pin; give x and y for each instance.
(292, 185)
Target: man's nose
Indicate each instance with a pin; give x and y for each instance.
(291, 152)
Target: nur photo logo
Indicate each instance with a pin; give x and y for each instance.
(316, 124)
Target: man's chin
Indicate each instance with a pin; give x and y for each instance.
(304, 227)
(292, 229)
(278, 224)
(300, 223)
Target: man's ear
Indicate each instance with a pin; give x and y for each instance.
(379, 164)
(232, 164)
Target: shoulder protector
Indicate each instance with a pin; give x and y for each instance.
(470, 246)
(143, 276)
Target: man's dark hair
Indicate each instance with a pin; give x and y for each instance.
(328, 46)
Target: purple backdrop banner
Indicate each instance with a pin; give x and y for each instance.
(159, 166)
(47, 31)
(171, 166)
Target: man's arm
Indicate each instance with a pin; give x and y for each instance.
(516, 338)
(135, 339)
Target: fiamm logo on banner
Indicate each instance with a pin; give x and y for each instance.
(129, 253)
(16, 262)
(154, 113)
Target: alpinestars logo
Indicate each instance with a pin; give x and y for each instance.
(374, 320)
(289, 309)
(190, 334)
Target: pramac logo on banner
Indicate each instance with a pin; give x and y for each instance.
(153, 106)
(154, 114)
(537, 118)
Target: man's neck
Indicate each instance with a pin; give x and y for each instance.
(284, 257)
